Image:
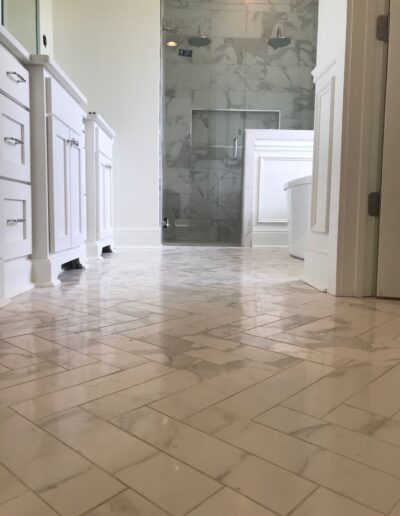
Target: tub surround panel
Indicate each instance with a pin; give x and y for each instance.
(272, 159)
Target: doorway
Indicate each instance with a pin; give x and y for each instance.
(227, 68)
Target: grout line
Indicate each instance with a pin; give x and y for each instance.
(28, 490)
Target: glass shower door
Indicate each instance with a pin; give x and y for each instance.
(217, 158)
(204, 84)
(208, 210)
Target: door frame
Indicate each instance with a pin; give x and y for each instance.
(388, 284)
(362, 143)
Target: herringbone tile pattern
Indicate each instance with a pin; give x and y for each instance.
(199, 382)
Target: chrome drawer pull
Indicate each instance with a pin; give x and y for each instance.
(19, 79)
(73, 142)
(108, 166)
(15, 221)
(13, 141)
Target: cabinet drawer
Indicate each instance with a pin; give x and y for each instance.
(14, 78)
(16, 218)
(63, 106)
(14, 141)
(104, 143)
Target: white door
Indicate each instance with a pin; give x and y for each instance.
(77, 180)
(59, 186)
(389, 240)
(104, 198)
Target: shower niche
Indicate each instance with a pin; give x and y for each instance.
(204, 206)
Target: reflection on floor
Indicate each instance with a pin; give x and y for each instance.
(201, 382)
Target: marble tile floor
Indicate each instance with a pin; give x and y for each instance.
(198, 382)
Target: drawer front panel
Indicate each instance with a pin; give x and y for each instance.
(14, 141)
(14, 78)
(104, 143)
(16, 218)
(63, 106)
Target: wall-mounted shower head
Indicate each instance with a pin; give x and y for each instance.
(171, 40)
(199, 40)
(278, 39)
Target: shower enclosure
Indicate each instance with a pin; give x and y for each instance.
(227, 67)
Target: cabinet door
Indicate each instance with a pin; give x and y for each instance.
(59, 186)
(104, 198)
(77, 182)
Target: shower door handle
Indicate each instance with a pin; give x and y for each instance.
(235, 150)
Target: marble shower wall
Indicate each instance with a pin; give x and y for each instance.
(237, 71)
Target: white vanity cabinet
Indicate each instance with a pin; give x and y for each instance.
(15, 177)
(99, 183)
(66, 187)
(58, 171)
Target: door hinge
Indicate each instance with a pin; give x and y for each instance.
(374, 204)
(383, 27)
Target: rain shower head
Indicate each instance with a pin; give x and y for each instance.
(199, 40)
(279, 40)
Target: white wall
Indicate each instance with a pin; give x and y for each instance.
(111, 49)
(350, 97)
(329, 75)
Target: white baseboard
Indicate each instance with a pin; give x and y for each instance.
(137, 237)
(17, 277)
(315, 284)
(94, 249)
(47, 270)
(265, 238)
(316, 268)
(4, 302)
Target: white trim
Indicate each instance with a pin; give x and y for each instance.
(325, 86)
(363, 121)
(58, 73)
(99, 120)
(4, 302)
(319, 72)
(316, 267)
(261, 147)
(315, 284)
(47, 270)
(129, 237)
(265, 237)
(17, 277)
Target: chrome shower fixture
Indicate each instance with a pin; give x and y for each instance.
(167, 26)
(200, 40)
(171, 39)
(278, 39)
